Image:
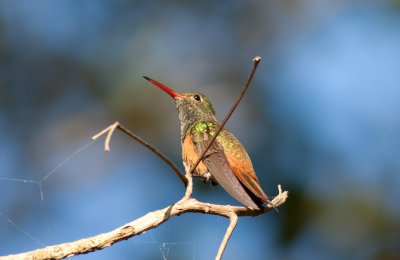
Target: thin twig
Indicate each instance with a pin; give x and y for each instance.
(256, 61)
(233, 218)
(110, 130)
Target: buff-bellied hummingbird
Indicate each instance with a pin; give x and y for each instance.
(226, 162)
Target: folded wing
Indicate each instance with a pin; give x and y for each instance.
(219, 167)
(241, 165)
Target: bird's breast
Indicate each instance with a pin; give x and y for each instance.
(190, 157)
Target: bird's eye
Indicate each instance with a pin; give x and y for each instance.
(197, 97)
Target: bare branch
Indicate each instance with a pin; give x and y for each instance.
(110, 130)
(256, 61)
(155, 218)
(149, 221)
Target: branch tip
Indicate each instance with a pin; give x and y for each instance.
(109, 130)
(256, 59)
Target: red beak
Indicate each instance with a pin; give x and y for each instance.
(167, 90)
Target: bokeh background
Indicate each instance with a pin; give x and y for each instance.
(321, 118)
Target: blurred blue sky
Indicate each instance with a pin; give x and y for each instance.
(321, 118)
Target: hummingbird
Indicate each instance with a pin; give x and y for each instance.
(226, 162)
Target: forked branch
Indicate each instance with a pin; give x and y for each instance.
(155, 218)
